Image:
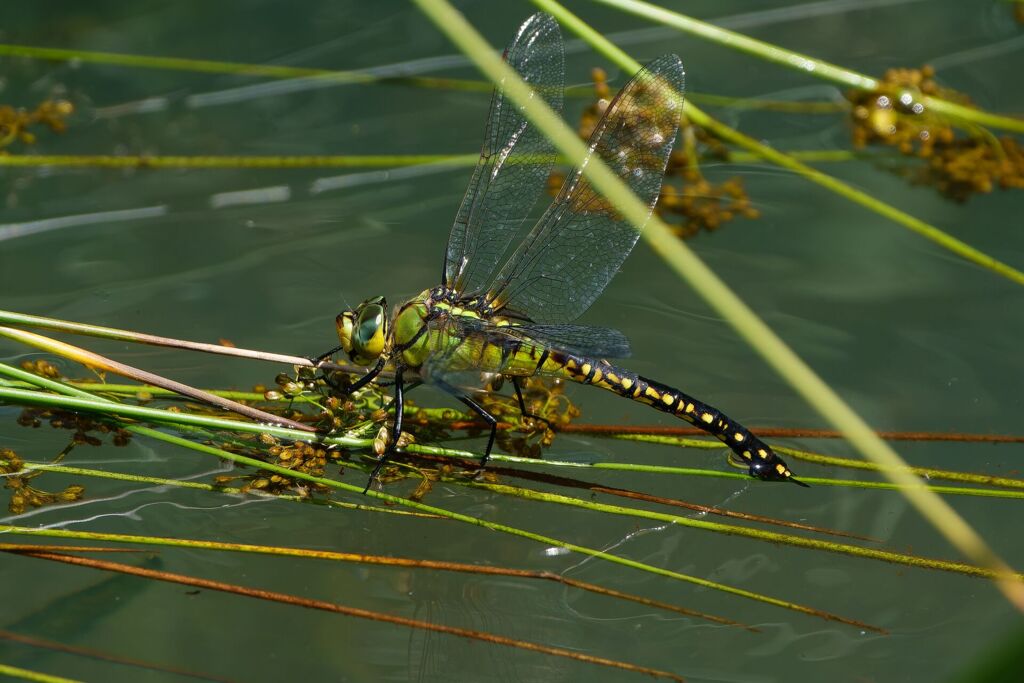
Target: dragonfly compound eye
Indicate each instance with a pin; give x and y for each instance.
(345, 323)
(368, 332)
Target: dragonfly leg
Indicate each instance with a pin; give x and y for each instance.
(409, 386)
(491, 421)
(317, 360)
(396, 429)
(522, 404)
(359, 383)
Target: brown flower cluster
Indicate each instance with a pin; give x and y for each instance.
(299, 456)
(24, 495)
(83, 426)
(547, 408)
(15, 124)
(958, 166)
(696, 203)
(43, 368)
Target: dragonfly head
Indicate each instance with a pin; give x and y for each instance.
(364, 332)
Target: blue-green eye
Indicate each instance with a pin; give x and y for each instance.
(371, 318)
(364, 334)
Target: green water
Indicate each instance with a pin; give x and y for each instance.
(911, 336)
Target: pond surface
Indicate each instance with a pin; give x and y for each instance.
(915, 338)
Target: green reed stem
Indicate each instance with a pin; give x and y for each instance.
(233, 68)
(133, 390)
(925, 472)
(760, 104)
(207, 161)
(29, 675)
(886, 486)
(835, 461)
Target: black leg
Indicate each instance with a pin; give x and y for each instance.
(522, 404)
(488, 418)
(369, 377)
(359, 383)
(362, 381)
(317, 360)
(409, 386)
(396, 430)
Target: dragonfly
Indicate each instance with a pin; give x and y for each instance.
(510, 311)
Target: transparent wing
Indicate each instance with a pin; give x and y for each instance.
(581, 241)
(514, 164)
(582, 340)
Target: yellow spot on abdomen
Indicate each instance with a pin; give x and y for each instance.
(708, 417)
(738, 436)
(652, 393)
(626, 382)
(668, 399)
(762, 452)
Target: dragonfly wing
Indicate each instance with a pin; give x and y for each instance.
(514, 164)
(581, 340)
(580, 242)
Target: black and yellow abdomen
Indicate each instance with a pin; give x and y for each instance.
(763, 463)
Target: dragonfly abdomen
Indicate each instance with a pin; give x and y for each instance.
(757, 455)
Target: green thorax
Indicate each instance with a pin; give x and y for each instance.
(427, 329)
(409, 338)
